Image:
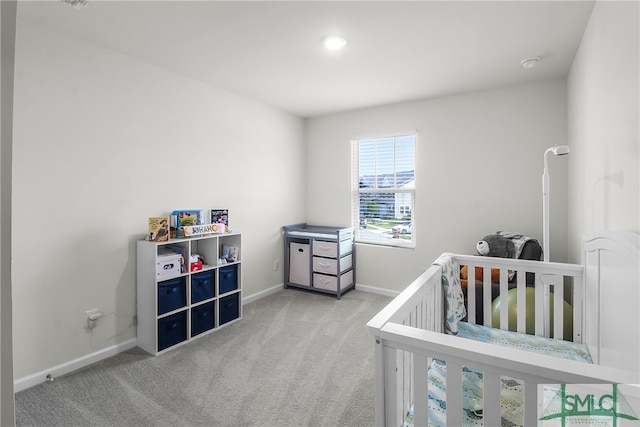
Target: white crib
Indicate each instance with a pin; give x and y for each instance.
(604, 294)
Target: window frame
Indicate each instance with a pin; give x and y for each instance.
(387, 239)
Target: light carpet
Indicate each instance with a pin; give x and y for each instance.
(295, 359)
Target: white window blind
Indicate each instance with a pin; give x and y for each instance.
(383, 190)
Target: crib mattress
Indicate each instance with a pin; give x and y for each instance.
(512, 390)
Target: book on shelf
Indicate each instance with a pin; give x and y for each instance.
(220, 216)
(159, 229)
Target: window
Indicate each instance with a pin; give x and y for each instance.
(383, 190)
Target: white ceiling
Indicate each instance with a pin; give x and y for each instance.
(396, 51)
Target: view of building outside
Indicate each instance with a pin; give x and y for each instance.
(385, 190)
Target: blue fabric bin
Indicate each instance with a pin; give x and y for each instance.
(229, 308)
(172, 330)
(202, 318)
(172, 294)
(228, 278)
(202, 286)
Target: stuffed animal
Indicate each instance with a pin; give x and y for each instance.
(497, 246)
(494, 245)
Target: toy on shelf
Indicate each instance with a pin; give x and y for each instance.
(185, 218)
(196, 262)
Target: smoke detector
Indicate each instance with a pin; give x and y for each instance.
(529, 63)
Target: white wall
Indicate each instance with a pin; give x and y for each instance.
(103, 141)
(603, 123)
(479, 170)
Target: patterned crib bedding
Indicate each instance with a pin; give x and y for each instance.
(512, 390)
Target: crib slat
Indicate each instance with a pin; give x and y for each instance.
(504, 308)
(407, 381)
(539, 316)
(454, 394)
(522, 301)
(578, 300)
(558, 311)
(380, 370)
(471, 294)
(491, 396)
(420, 374)
(435, 307)
(486, 297)
(393, 382)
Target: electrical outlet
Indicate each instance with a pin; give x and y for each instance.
(92, 316)
(276, 265)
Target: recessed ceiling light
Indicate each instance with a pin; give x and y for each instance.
(334, 42)
(529, 63)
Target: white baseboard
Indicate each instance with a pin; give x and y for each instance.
(280, 287)
(262, 294)
(380, 291)
(73, 365)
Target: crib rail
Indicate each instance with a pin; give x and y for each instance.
(550, 280)
(419, 305)
(492, 360)
(408, 335)
(602, 292)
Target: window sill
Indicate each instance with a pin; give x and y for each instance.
(407, 245)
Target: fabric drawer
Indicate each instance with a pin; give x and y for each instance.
(172, 294)
(229, 308)
(202, 318)
(202, 286)
(327, 249)
(172, 330)
(322, 281)
(330, 266)
(228, 278)
(299, 264)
